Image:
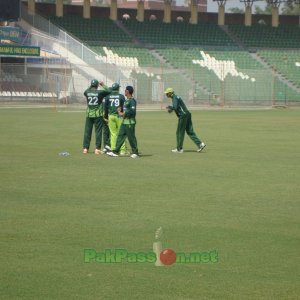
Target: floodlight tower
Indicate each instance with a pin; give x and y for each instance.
(275, 8)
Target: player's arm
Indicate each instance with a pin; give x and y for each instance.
(105, 93)
(106, 90)
(175, 102)
(103, 85)
(174, 106)
(120, 109)
(131, 110)
(169, 108)
(122, 101)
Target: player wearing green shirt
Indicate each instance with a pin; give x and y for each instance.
(184, 122)
(127, 128)
(111, 104)
(94, 115)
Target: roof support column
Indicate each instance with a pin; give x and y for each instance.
(248, 15)
(86, 9)
(275, 16)
(167, 11)
(194, 12)
(59, 8)
(221, 15)
(113, 10)
(31, 7)
(140, 11)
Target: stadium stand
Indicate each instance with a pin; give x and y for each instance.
(182, 34)
(244, 77)
(284, 62)
(210, 64)
(143, 56)
(257, 36)
(208, 37)
(130, 54)
(92, 31)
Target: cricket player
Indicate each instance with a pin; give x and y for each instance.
(184, 122)
(112, 103)
(94, 115)
(127, 128)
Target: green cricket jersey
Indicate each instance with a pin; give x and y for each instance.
(178, 106)
(112, 102)
(94, 99)
(129, 109)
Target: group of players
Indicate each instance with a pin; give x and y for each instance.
(114, 115)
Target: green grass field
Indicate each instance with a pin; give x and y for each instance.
(240, 197)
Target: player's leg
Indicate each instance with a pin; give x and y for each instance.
(190, 131)
(98, 131)
(130, 131)
(193, 136)
(106, 134)
(121, 138)
(113, 129)
(180, 132)
(123, 149)
(88, 128)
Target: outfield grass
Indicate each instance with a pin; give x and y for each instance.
(239, 197)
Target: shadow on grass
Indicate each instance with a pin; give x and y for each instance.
(146, 155)
(128, 156)
(193, 151)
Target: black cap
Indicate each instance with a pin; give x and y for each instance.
(130, 89)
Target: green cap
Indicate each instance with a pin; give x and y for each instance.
(115, 86)
(95, 83)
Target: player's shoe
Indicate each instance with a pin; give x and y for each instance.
(106, 149)
(177, 151)
(112, 154)
(124, 153)
(85, 151)
(201, 147)
(98, 151)
(134, 155)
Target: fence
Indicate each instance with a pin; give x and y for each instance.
(61, 83)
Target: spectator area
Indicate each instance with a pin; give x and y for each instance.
(92, 31)
(263, 36)
(201, 58)
(286, 63)
(130, 54)
(183, 34)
